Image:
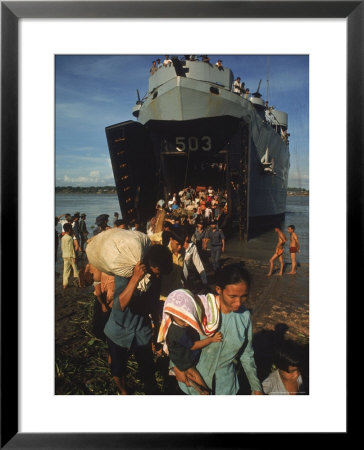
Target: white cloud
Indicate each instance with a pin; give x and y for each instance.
(93, 179)
(68, 179)
(298, 179)
(71, 154)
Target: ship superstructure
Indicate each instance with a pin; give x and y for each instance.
(192, 129)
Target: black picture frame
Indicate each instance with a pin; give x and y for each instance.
(11, 12)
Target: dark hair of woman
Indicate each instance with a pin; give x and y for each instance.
(232, 274)
(159, 256)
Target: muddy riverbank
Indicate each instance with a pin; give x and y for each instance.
(279, 305)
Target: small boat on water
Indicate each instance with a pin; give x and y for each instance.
(193, 129)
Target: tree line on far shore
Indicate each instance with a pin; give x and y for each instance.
(112, 190)
(85, 190)
(297, 191)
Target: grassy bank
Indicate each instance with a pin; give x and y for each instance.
(279, 305)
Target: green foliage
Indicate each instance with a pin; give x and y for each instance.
(81, 358)
(297, 190)
(85, 190)
(81, 365)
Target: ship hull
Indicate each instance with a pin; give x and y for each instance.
(267, 192)
(185, 107)
(202, 134)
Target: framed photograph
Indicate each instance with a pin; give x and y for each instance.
(32, 34)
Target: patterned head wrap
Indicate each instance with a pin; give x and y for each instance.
(201, 312)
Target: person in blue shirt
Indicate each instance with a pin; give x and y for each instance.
(217, 242)
(174, 206)
(219, 362)
(129, 329)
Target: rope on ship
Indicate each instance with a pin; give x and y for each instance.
(293, 147)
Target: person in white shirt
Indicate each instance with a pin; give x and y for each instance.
(208, 213)
(151, 226)
(219, 65)
(238, 86)
(192, 258)
(167, 61)
(172, 200)
(66, 216)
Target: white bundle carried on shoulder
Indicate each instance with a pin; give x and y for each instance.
(117, 251)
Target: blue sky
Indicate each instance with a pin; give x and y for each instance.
(95, 91)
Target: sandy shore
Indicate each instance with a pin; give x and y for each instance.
(276, 303)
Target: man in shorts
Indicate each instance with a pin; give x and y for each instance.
(294, 247)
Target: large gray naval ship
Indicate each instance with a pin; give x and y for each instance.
(193, 129)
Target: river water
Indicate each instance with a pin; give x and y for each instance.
(259, 248)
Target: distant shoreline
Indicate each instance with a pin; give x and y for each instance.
(86, 193)
(298, 193)
(112, 190)
(85, 190)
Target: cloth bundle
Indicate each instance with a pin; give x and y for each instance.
(117, 251)
(201, 312)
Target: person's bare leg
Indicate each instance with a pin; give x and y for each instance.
(271, 263)
(199, 384)
(120, 383)
(294, 263)
(293, 268)
(281, 264)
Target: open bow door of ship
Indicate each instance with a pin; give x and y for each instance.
(134, 170)
(238, 179)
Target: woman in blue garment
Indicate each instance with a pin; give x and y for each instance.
(217, 361)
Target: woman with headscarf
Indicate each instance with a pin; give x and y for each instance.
(185, 318)
(218, 361)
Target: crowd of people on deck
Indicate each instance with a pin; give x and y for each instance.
(167, 62)
(238, 86)
(206, 333)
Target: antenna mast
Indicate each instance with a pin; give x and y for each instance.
(267, 96)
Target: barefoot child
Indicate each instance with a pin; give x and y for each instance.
(185, 318)
(278, 253)
(294, 247)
